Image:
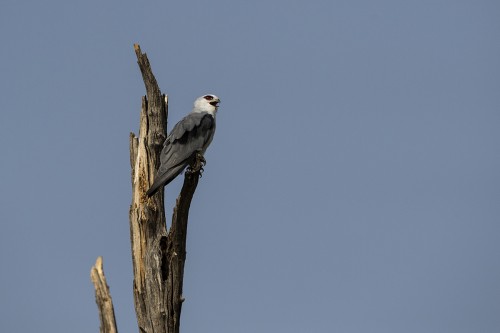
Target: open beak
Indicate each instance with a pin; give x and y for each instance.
(215, 103)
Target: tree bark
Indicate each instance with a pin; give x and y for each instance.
(147, 215)
(158, 257)
(103, 299)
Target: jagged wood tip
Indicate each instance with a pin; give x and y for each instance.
(103, 298)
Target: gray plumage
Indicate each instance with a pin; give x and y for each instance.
(189, 136)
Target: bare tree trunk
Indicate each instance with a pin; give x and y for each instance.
(157, 256)
(148, 230)
(103, 299)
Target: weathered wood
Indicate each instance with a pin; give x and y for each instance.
(176, 245)
(103, 298)
(147, 215)
(157, 257)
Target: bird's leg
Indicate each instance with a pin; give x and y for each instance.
(197, 165)
(201, 160)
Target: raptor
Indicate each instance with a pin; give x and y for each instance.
(189, 137)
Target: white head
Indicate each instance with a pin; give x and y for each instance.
(206, 103)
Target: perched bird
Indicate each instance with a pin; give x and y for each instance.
(189, 137)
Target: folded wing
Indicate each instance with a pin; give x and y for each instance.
(190, 135)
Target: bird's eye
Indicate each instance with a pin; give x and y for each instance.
(208, 97)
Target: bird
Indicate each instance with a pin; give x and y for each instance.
(190, 137)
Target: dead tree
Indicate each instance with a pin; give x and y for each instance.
(103, 298)
(158, 256)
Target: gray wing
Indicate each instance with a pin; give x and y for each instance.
(190, 135)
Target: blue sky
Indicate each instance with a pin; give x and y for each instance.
(352, 185)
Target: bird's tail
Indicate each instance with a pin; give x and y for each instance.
(153, 189)
(164, 179)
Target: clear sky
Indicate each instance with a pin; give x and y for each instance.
(353, 183)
